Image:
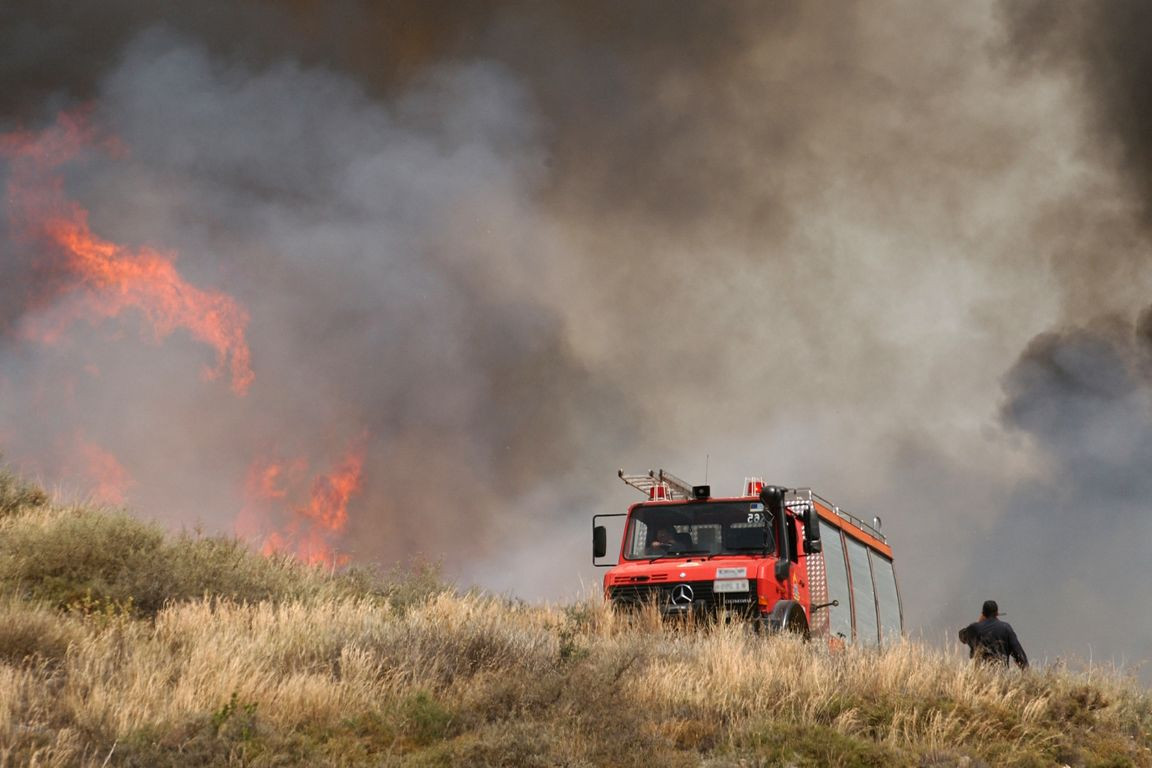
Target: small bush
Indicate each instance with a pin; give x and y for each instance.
(221, 567)
(71, 558)
(236, 718)
(425, 720)
(524, 744)
(17, 495)
(67, 557)
(818, 746)
(412, 586)
(32, 634)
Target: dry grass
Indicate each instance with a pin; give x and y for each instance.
(405, 674)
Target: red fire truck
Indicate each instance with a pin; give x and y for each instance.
(784, 557)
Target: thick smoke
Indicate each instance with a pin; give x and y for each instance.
(1104, 46)
(364, 241)
(1070, 549)
(1084, 397)
(1096, 239)
(509, 247)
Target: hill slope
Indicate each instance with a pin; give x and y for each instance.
(121, 646)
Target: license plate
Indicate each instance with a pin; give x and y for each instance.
(732, 585)
(731, 573)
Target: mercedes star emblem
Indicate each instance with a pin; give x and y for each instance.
(682, 594)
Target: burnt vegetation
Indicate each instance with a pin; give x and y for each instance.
(121, 645)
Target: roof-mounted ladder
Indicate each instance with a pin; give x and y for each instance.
(659, 484)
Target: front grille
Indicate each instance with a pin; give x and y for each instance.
(670, 598)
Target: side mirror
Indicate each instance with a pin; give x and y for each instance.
(811, 527)
(599, 541)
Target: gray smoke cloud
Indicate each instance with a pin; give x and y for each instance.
(1103, 46)
(1084, 397)
(507, 248)
(361, 240)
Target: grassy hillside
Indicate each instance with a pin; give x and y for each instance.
(122, 647)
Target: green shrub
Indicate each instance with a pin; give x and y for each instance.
(816, 746)
(524, 744)
(17, 495)
(77, 558)
(95, 559)
(222, 567)
(407, 587)
(425, 720)
(66, 558)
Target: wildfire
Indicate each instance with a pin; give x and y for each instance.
(110, 278)
(310, 529)
(289, 507)
(109, 480)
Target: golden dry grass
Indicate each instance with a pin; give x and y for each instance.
(395, 674)
(355, 681)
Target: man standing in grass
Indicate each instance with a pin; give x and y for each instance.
(992, 640)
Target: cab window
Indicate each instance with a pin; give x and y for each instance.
(636, 541)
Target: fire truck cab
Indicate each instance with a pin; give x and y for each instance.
(785, 558)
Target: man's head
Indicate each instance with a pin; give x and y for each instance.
(665, 535)
(990, 609)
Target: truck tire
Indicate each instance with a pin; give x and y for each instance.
(787, 616)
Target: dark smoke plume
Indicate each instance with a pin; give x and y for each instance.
(1104, 45)
(1098, 239)
(1082, 392)
(1074, 541)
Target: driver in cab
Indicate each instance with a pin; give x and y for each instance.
(667, 540)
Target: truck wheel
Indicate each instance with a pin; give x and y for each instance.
(787, 616)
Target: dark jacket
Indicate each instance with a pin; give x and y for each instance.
(992, 640)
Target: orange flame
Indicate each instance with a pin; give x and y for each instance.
(110, 481)
(289, 508)
(310, 530)
(111, 277)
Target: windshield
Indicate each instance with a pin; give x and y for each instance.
(697, 528)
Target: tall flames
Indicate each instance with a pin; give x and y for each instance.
(107, 278)
(96, 279)
(107, 478)
(287, 513)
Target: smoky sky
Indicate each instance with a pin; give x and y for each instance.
(1083, 395)
(1080, 392)
(892, 251)
(1105, 47)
